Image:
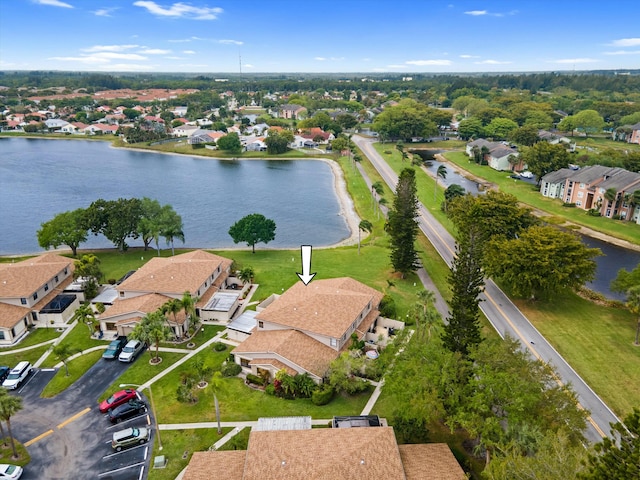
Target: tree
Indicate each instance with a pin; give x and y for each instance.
(173, 307)
(67, 228)
(87, 267)
(364, 226)
(152, 330)
(425, 314)
(246, 275)
(84, 314)
(62, 352)
(526, 135)
(617, 460)
(543, 158)
(440, 173)
(633, 304)
(171, 227)
(252, 229)
(149, 225)
(402, 225)
(189, 306)
(9, 406)
(589, 121)
(567, 124)
(541, 262)
(500, 128)
(629, 283)
(342, 374)
(470, 128)
(276, 143)
(117, 220)
(217, 387)
(230, 143)
(404, 121)
(452, 191)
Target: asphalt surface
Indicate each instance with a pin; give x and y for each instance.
(67, 436)
(502, 313)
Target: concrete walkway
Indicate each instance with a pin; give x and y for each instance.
(26, 349)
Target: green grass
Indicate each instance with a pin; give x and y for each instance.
(206, 333)
(77, 368)
(32, 356)
(80, 339)
(35, 336)
(175, 443)
(6, 454)
(597, 342)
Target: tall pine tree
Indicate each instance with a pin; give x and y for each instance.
(402, 225)
(462, 331)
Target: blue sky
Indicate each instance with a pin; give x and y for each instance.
(331, 36)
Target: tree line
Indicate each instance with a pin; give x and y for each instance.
(118, 220)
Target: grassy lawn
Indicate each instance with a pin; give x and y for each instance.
(77, 368)
(206, 333)
(12, 359)
(35, 336)
(79, 339)
(597, 342)
(177, 443)
(6, 454)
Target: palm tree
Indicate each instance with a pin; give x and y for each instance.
(440, 173)
(246, 275)
(156, 330)
(364, 226)
(84, 314)
(173, 306)
(634, 201)
(63, 352)
(633, 304)
(382, 202)
(189, 307)
(217, 386)
(484, 151)
(611, 195)
(9, 406)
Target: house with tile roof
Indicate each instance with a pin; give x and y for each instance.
(292, 111)
(326, 454)
(30, 292)
(497, 155)
(634, 136)
(160, 280)
(308, 326)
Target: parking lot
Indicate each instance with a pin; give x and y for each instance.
(67, 436)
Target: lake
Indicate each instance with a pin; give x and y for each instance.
(40, 178)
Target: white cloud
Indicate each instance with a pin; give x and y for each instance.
(469, 56)
(118, 56)
(491, 62)
(231, 42)
(109, 48)
(53, 3)
(248, 65)
(127, 67)
(86, 59)
(575, 60)
(480, 13)
(186, 40)
(422, 63)
(396, 66)
(332, 59)
(155, 51)
(105, 12)
(180, 10)
(476, 13)
(319, 59)
(626, 42)
(189, 52)
(623, 52)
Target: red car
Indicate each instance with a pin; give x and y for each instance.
(118, 398)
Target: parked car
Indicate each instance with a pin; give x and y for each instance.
(4, 371)
(114, 348)
(126, 410)
(131, 350)
(17, 375)
(8, 471)
(526, 174)
(129, 437)
(117, 399)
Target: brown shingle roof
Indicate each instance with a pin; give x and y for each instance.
(327, 307)
(22, 279)
(203, 465)
(296, 347)
(430, 461)
(10, 315)
(175, 275)
(142, 304)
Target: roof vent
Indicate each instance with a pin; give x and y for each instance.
(362, 462)
(283, 463)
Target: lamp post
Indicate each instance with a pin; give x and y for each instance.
(153, 408)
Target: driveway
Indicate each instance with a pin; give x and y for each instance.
(67, 436)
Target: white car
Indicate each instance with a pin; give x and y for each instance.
(10, 471)
(526, 174)
(130, 351)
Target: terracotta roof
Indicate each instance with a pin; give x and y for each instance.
(175, 275)
(430, 461)
(327, 307)
(10, 315)
(203, 465)
(295, 346)
(51, 294)
(142, 304)
(22, 279)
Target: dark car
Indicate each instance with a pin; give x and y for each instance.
(127, 410)
(4, 371)
(114, 348)
(117, 399)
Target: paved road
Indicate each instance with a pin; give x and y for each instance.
(502, 313)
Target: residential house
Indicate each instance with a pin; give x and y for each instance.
(292, 111)
(326, 454)
(185, 130)
(308, 326)
(317, 135)
(160, 280)
(634, 137)
(580, 188)
(624, 183)
(555, 139)
(180, 111)
(205, 136)
(32, 292)
(553, 183)
(55, 124)
(498, 156)
(74, 127)
(254, 144)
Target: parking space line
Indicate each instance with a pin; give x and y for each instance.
(39, 437)
(116, 425)
(123, 451)
(75, 417)
(120, 469)
(141, 473)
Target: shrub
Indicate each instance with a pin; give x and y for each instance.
(322, 395)
(270, 389)
(219, 347)
(569, 205)
(231, 369)
(111, 281)
(256, 380)
(388, 307)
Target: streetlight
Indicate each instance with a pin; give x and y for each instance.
(153, 407)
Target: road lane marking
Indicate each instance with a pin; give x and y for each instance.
(75, 417)
(39, 437)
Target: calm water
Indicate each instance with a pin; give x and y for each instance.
(40, 178)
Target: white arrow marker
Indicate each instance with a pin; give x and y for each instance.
(305, 276)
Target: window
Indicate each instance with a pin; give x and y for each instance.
(23, 301)
(578, 203)
(34, 316)
(244, 362)
(2, 335)
(333, 342)
(56, 278)
(260, 324)
(582, 185)
(65, 270)
(13, 332)
(46, 287)
(35, 296)
(121, 294)
(25, 321)
(580, 194)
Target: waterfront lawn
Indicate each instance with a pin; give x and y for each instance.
(597, 342)
(77, 367)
